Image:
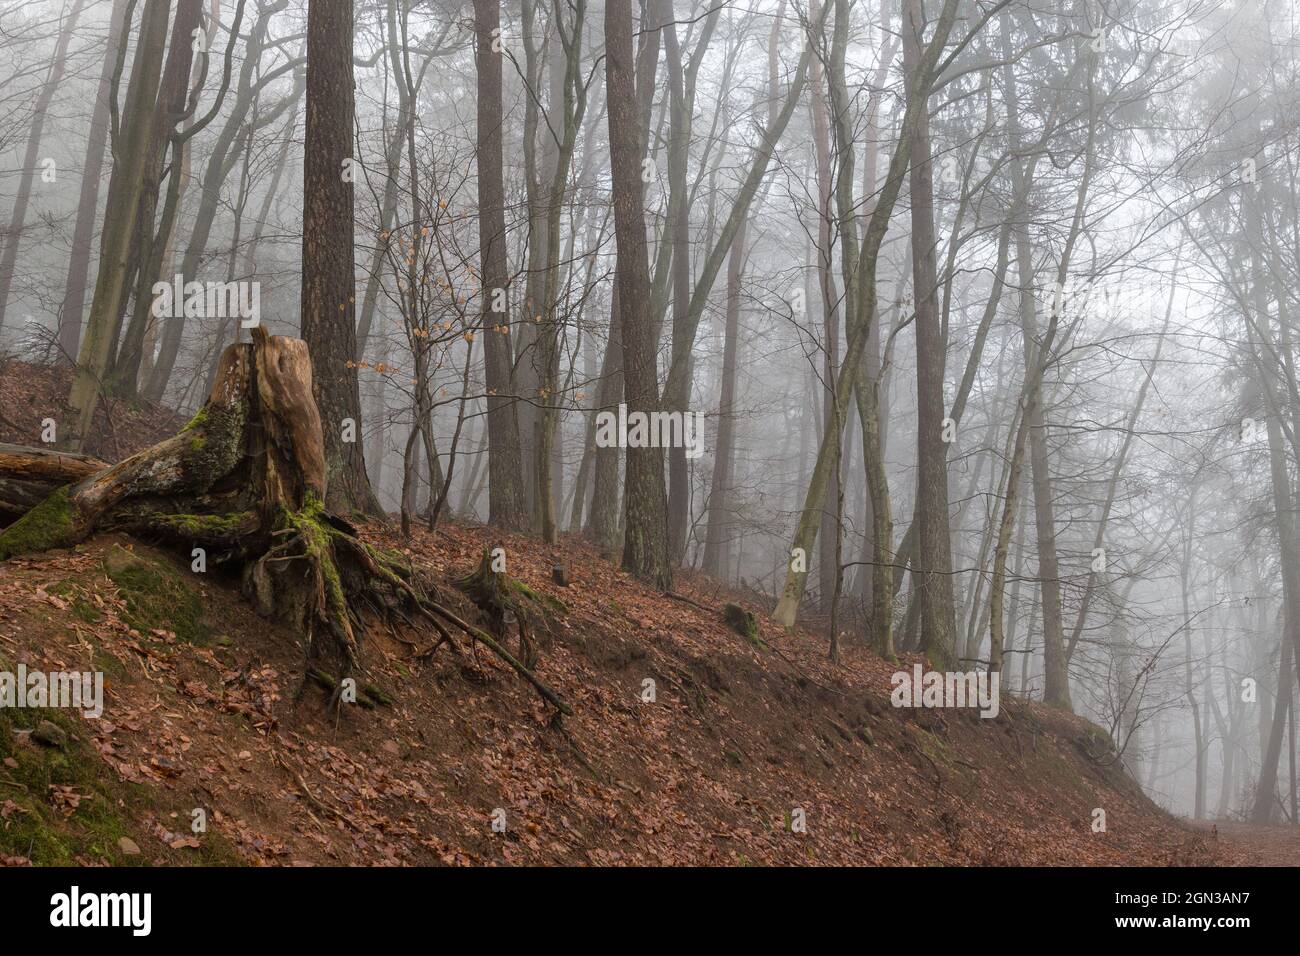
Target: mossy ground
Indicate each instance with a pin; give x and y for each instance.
(157, 596)
(549, 602)
(77, 598)
(32, 827)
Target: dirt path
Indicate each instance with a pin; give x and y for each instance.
(1251, 845)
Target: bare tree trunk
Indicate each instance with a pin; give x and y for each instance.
(40, 109)
(864, 283)
(678, 239)
(602, 523)
(150, 249)
(645, 542)
(568, 100)
(1284, 509)
(74, 295)
(717, 546)
(120, 218)
(1189, 690)
(507, 504)
(328, 269)
(220, 164)
(829, 296)
(934, 557)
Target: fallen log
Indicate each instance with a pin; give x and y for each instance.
(22, 463)
(31, 474)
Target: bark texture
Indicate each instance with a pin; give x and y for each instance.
(328, 284)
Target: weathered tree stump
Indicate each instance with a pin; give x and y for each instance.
(742, 622)
(246, 479)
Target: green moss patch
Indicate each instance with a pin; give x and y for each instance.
(549, 601)
(317, 538)
(157, 596)
(48, 525)
(35, 826)
(206, 527)
(64, 806)
(77, 599)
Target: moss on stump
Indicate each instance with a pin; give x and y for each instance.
(743, 623)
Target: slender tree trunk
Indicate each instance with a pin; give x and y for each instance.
(40, 110)
(83, 233)
(150, 248)
(1189, 689)
(602, 523)
(934, 556)
(507, 504)
(717, 545)
(568, 102)
(866, 313)
(829, 296)
(220, 164)
(678, 229)
(1284, 510)
(120, 216)
(645, 541)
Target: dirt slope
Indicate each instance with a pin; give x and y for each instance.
(31, 392)
(200, 715)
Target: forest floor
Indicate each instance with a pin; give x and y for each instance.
(740, 744)
(199, 714)
(1256, 845)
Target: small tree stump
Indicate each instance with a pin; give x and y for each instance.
(743, 623)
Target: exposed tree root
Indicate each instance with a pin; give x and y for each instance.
(505, 601)
(311, 798)
(368, 696)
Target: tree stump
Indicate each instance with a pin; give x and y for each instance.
(503, 603)
(245, 479)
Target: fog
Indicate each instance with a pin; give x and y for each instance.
(1050, 314)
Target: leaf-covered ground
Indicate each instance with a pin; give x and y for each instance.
(30, 393)
(739, 742)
